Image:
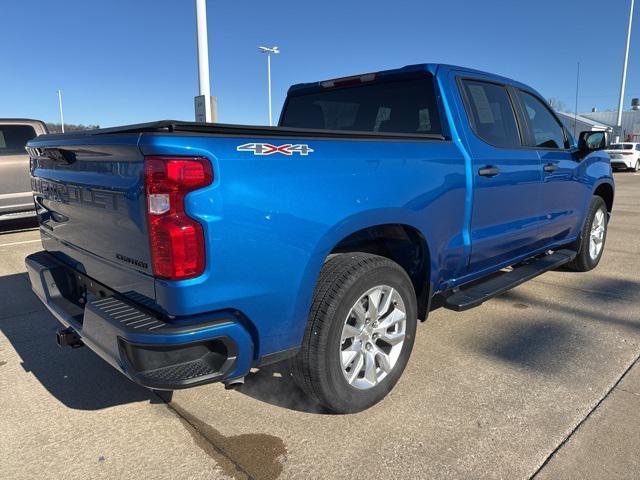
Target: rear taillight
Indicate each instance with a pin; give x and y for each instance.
(177, 240)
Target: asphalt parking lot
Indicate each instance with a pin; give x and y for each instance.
(543, 381)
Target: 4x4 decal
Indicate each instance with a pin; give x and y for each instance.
(268, 149)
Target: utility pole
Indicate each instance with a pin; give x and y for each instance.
(624, 76)
(206, 106)
(269, 51)
(60, 105)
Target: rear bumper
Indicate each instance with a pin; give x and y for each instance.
(620, 163)
(150, 350)
(16, 215)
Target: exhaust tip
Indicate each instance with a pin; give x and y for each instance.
(233, 383)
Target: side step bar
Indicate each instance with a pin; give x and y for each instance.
(480, 292)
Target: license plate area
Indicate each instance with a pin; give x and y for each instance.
(75, 290)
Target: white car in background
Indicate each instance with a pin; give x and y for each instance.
(625, 156)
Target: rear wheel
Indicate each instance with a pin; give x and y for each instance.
(360, 332)
(593, 237)
(636, 168)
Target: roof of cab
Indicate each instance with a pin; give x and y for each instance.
(25, 121)
(20, 120)
(433, 68)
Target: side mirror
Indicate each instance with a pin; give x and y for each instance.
(590, 141)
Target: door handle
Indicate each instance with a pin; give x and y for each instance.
(550, 167)
(488, 171)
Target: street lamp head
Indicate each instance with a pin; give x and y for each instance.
(269, 50)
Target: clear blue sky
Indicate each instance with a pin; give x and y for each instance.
(131, 61)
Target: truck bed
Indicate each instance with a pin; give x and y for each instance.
(222, 129)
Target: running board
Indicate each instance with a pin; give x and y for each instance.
(481, 292)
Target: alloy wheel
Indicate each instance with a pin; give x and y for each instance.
(372, 337)
(596, 236)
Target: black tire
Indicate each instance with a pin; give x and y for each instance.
(317, 368)
(636, 168)
(584, 261)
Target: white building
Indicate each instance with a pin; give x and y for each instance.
(630, 122)
(578, 123)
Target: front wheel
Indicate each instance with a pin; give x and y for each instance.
(360, 332)
(593, 237)
(636, 168)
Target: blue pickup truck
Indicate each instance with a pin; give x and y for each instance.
(186, 253)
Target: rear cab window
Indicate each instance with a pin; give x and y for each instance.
(621, 146)
(491, 113)
(13, 138)
(394, 106)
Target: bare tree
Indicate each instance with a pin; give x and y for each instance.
(69, 127)
(557, 104)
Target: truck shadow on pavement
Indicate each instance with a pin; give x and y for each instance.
(608, 294)
(76, 377)
(81, 380)
(533, 344)
(274, 384)
(543, 340)
(538, 342)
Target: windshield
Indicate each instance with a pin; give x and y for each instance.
(401, 106)
(13, 138)
(621, 146)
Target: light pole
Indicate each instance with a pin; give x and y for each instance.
(575, 112)
(206, 106)
(624, 76)
(269, 51)
(60, 105)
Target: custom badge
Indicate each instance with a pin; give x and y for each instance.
(268, 149)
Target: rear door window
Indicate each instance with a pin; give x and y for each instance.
(13, 138)
(491, 113)
(394, 106)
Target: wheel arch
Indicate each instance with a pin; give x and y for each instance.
(607, 192)
(384, 232)
(401, 243)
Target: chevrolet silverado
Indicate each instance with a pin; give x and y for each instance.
(188, 253)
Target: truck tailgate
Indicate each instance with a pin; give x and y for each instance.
(89, 193)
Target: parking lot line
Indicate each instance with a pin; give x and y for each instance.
(18, 243)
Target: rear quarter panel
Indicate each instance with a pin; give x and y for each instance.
(270, 221)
